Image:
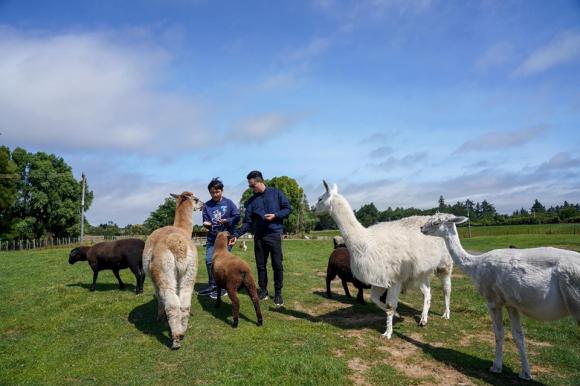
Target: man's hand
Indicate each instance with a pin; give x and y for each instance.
(269, 216)
(207, 224)
(232, 240)
(223, 221)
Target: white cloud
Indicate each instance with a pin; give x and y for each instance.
(496, 55)
(263, 127)
(90, 91)
(497, 140)
(562, 49)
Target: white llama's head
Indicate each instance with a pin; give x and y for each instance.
(440, 223)
(324, 201)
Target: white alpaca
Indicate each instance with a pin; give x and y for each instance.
(542, 283)
(169, 257)
(393, 255)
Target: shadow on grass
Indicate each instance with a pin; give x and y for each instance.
(339, 297)
(225, 310)
(468, 364)
(104, 286)
(144, 317)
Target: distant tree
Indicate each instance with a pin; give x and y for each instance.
(162, 216)
(367, 214)
(537, 207)
(8, 189)
(442, 207)
(48, 200)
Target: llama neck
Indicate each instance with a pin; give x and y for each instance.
(220, 245)
(342, 214)
(183, 219)
(464, 260)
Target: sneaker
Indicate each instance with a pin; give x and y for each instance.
(206, 291)
(214, 294)
(263, 294)
(278, 301)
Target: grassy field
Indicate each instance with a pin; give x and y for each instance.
(54, 331)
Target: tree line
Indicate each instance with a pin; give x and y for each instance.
(40, 198)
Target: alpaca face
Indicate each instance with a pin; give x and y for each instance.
(324, 201)
(441, 223)
(188, 196)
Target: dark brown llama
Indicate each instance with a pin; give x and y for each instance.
(231, 272)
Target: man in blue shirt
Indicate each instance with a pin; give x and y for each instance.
(219, 214)
(265, 210)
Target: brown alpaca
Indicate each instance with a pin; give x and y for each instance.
(231, 272)
(169, 257)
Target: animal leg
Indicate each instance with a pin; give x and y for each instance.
(360, 296)
(218, 301)
(137, 274)
(446, 281)
(173, 312)
(185, 291)
(345, 286)
(330, 275)
(518, 335)
(121, 284)
(160, 307)
(376, 293)
(495, 312)
(251, 287)
(95, 275)
(233, 294)
(426, 290)
(391, 307)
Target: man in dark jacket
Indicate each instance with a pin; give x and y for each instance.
(265, 210)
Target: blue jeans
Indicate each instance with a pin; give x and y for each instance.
(209, 260)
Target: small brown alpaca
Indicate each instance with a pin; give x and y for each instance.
(231, 272)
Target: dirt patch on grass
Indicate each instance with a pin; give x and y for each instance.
(358, 367)
(407, 358)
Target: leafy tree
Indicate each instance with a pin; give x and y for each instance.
(49, 197)
(8, 188)
(537, 207)
(367, 214)
(162, 216)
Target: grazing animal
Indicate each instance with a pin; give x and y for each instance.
(231, 272)
(169, 258)
(114, 255)
(339, 264)
(243, 246)
(390, 255)
(542, 283)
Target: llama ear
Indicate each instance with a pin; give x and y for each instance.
(460, 219)
(174, 195)
(334, 189)
(325, 185)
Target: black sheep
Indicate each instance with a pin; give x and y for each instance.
(339, 264)
(114, 255)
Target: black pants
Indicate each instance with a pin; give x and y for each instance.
(269, 245)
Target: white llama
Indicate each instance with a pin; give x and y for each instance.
(169, 257)
(393, 255)
(542, 283)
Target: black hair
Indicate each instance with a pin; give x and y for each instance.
(216, 184)
(255, 175)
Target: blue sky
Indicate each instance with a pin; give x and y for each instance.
(396, 101)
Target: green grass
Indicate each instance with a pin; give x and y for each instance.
(54, 331)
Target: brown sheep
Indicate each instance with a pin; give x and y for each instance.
(231, 272)
(339, 264)
(114, 255)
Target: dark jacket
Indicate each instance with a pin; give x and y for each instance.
(270, 201)
(215, 211)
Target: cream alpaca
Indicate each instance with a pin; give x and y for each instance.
(169, 257)
(542, 283)
(393, 255)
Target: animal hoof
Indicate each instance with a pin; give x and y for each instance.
(495, 369)
(260, 322)
(235, 324)
(176, 345)
(386, 336)
(446, 315)
(92, 289)
(423, 322)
